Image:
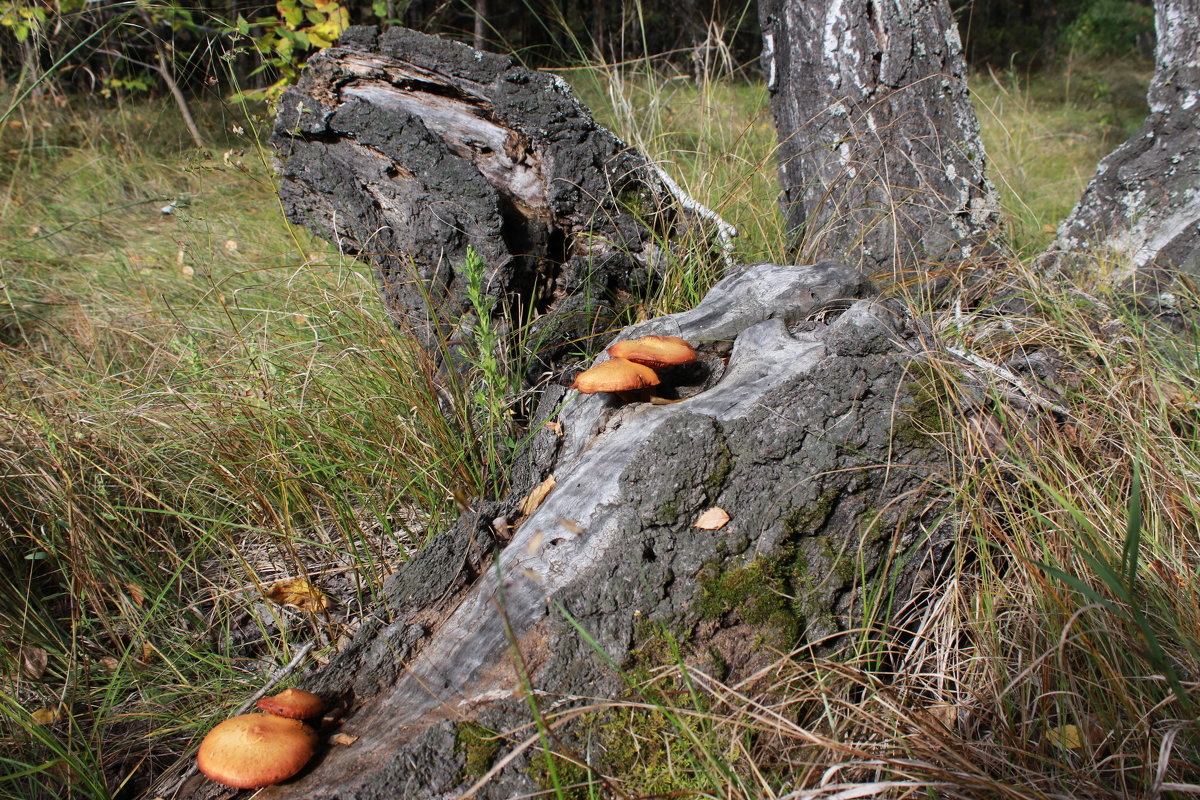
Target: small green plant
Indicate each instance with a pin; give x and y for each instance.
(493, 354)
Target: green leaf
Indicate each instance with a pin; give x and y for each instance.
(1133, 529)
(1079, 586)
(292, 14)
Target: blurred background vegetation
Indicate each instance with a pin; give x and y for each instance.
(126, 46)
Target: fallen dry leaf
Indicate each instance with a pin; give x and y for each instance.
(571, 525)
(148, 653)
(537, 496)
(110, 663)
(712, 520)
(47, 716)
(1068, 737)
(136, 594)
(945, 713)
(344, 739)
(33, 662)
(299, 593)
(554, 427)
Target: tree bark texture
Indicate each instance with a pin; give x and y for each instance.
(406, 150)
(880, 159)
(800, 420)
(1141, 212)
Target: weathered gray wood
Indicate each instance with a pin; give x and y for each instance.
(880, 158)
(407, 150)
(1140, 214)
(805, 437)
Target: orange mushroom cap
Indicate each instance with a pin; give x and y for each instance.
(293, 704)
(615, 375)
(256, 750)
(655, 352)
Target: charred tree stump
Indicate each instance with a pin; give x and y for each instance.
(880, 158)
(1141, 211)
(406, 150)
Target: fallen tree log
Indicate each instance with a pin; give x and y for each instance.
(408, 150)
(803, 423)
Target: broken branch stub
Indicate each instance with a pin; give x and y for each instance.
(406, 150)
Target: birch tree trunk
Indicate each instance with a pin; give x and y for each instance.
(1140, 215)
(880, 159)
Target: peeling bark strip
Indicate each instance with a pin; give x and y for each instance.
(1142, 208)
(880, 157)
(407, 149)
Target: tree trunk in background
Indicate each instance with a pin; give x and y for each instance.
(1141, 212)
(880, 158)
(480, 23)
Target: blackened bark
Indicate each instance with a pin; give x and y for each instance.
(1141, 212)
(407, 150)
(880, 158)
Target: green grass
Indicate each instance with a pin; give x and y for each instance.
(1045, 135)
(194, 406)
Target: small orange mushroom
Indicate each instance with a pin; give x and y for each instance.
(256, 750)
(655, 352)
(617, 375)
(293, 704)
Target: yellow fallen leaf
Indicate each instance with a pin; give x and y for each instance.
(299, 593)
(554, 427)
(344, 739)
(1068, 737)
(47, 716)
(712, 520)
(537, 496)
(110, 663)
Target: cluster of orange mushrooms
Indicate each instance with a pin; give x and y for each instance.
(255, 750)
(632, 368)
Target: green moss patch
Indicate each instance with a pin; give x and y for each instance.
(573, 780)
(478, 747)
